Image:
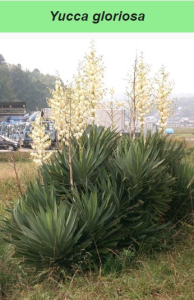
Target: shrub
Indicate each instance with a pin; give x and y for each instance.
(44, 236)
(89, 158)
(182, 205)
(126, 194)
(147, 183)
(53, 225)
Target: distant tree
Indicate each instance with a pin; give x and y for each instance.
(17, 84)
(31, 87)
(6, 88)
(2, 60)
(36, 71)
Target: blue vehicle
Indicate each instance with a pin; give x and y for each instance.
(169, 131)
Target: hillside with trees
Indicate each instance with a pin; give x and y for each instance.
(17, 84)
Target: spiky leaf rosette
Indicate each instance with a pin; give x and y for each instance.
(90, 156)
(148, 184)
(182, 205)
(45, 235)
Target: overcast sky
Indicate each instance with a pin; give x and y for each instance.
(62, 52)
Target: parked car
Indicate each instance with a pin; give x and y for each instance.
(27, 141)
(8, 144)
(15, 119)
(16, 132)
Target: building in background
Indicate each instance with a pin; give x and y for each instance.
(10, 109)
(104, 117)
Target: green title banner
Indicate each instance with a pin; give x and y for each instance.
(97, 16)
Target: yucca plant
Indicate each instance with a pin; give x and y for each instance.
(100, 208)
(49, 231)
(182, 205)
(171, 151)
(97, 209)
(126, 193)
(90, 156)
(45, 235)
(53, 225)
(145, 176)
(147, 182)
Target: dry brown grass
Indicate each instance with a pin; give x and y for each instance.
(24, 169)
(9, 188)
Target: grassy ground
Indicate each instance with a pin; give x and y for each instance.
(162, 276)
(184, 134)
(184, 130)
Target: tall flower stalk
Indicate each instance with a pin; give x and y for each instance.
(40, 142)
(74, 105)
(143, 93)
(139, 95)
(164, 105)
(66, 114)
(91, 77)
(112, 107)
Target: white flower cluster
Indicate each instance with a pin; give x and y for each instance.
(40, 142)
(164, 105)
(67, 111)
(139, 93)
(92, 80)
(143, 93)
(74, 104)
